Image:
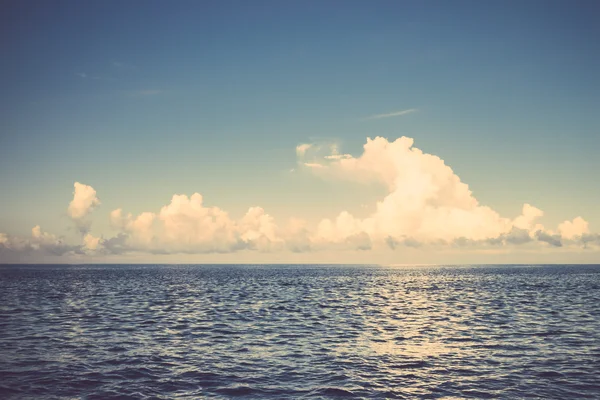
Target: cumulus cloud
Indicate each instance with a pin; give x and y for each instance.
(83, 203)
(425, 199)
(526, 220)
(301, 149)
(553, 240)
(573, 229)
(426, 203)
(297, 236)
(518, 236)
(39, 242)
(590, 239)
(90, 242)
(187, 225)
(426, 206)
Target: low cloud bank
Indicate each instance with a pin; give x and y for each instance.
(426, 206)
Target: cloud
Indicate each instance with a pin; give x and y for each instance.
(573, 229)
(426, 203)
(392, 114)
(313, 165)
(297, 236)
(359, 241)
(186, 225)
(301, 149)
(83, 203)
(122, 65)
(554, 240)
(338, 156)
(40, 242)
(425, 200)
(318, 150)
(592, 239)
(527, 218)
(84, 75)
(518, 236)
(90, 242)
(426, 207)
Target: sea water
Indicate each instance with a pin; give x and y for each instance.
(297, 331)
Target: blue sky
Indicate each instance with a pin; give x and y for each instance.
(143, 100)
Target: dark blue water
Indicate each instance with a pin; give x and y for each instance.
(299, 332)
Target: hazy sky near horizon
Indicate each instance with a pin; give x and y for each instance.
(268, 104)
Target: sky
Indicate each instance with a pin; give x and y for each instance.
(393, 132)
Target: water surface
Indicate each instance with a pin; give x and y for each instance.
(163, 331)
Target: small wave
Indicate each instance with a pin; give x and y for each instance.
(239, 391)
(333, 392)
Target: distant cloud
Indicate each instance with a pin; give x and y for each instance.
(426, 208)
(83, 203)
(90, 242)
(40, 242)
(392, 114)
(314, 165)
(84, 75)
(107, 75)
(301, 149)
(554, 240)
(122, 65)
(573, 229)
(186, 225)
(426, 203)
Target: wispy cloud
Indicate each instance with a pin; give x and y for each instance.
(392, 114)
(115, 67)
(122, 65)
(84, 75)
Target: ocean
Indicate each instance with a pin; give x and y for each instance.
(299, 331)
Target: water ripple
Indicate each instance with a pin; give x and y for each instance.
(144, 332)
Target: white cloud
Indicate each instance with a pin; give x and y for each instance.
(338, 156)
(426, 203)
(83, 203)
(313, 165)
(426, 208)
(122, 65)
(426, 200)
(301, 149)
(39, 242)
(573, 229)
(259, 229)
(90, 242)
(186, 225)
(116, 219)
(392, 114)
(529, 215)
(297, 236)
